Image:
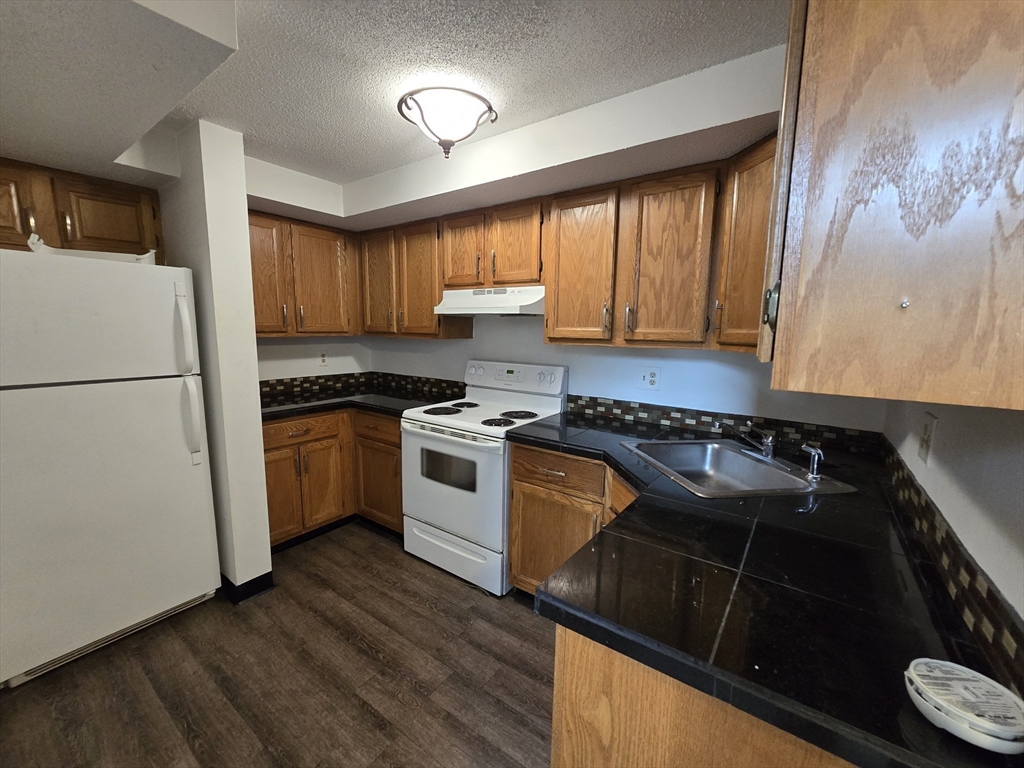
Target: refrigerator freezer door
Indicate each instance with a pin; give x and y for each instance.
(68, 320)
(105, 521)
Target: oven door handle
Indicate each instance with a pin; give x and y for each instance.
(484, 444)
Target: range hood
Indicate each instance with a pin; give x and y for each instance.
(525, 300)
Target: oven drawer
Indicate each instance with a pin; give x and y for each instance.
(294, 431)
(382, 428)
(559, 472)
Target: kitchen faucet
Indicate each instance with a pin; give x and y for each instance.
(767, 444)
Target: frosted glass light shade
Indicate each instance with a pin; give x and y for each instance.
(446, 115)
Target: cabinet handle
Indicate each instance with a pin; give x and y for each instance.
(284, 315)
(302, 316)
(30, 219)
(401, 317)
(478, 266)
(305, 462)
(67, 224)
(597, 526)
(494, 257)
(771, 306)
(297, 470)
(554, 472)
(719, 311)
(605, 325)
(629, 312)
(371, 426)
(391, 313)
(298, 433)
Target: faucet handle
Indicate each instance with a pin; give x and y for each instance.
(816, 456)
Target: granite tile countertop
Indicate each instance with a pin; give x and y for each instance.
(803, 611)
(384, 404)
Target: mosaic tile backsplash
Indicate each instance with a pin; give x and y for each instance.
(997, 628)
(993, 622)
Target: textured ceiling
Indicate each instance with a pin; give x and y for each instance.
(313, 86)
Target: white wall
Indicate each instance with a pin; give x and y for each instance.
(288, 358)
(716, 381)
(205, 225)
(975, 476)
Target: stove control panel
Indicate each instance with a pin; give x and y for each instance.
(542, 379)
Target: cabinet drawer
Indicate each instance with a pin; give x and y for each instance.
(568, 474)
(295, 431)
(382, 428)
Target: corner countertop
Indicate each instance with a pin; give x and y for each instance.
(803, 611)
(388, 405)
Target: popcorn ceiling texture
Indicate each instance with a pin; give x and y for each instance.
(336, 69)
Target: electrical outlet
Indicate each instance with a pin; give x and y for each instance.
(648, 378)
(323, 359)
(924, 445)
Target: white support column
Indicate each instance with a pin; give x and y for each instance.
(206, 229)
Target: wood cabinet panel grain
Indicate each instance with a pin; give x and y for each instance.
(903, 272)
(379, 482)
(96, 216)
(379, 274)
(579, 247)
(321, 290)
(513, 244)
(672, 258)
(383, 429)
(26, 207)
(462, 241)
(744, 245)
(295, 431)
(284, 493)
(559, 471)
(271, 274)
(610, 710)
(419, 279)
(321, 482)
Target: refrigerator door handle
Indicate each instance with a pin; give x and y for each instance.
(195, 444)
(185, 325)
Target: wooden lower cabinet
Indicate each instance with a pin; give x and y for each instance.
(321, 483)
(610, 710)
(284, 493)
(379, 482)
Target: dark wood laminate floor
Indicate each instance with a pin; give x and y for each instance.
(362, 656)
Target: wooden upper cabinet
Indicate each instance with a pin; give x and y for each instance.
(271, 274)
(284, 493)
(671, 266)
(321, 290)
(513, 244)
(18, 212)
(419, 279)
(379, 282)
(463, 242)
(903, 269)
(744, 244)
(579, 245)
(95, 216)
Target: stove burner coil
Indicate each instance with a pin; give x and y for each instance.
(519, 415)
(465, 404)
(497, 422)
(442, 410)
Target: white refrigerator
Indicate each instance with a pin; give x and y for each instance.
(106, 507)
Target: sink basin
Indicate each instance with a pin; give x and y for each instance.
(717, 469)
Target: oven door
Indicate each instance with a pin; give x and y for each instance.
(456, 483)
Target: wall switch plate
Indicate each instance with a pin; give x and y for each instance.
(649, 378)
(323, 360)
(924, 445)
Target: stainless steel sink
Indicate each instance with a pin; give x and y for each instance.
(717, 469)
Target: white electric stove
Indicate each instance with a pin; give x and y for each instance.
(455, 467)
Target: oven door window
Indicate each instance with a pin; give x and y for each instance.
(447, 469)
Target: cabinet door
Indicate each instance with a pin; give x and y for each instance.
(379, 283)
(744, 244)
(903, 271)
(20, 215)
(271, 274)
(672, 258)
(545, 530)
(513, 244)
(284, 493)
(463, 243)
(379, 482)
(419, 279)
(97, 217)
(321, 482)
(321, 293)
(579, 244)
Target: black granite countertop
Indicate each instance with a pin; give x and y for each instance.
(801, 610)
(384, 404)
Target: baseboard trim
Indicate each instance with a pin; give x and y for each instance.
(239, 593)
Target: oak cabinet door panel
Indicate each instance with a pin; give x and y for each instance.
(513, 244)
(321, 482)
(379, 482)
(463, 242)
(379, 282)
(319, 272)
(284, 493)
(271, 274)
(419, 279)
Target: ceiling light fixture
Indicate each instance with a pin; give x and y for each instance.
(446, 115)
